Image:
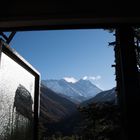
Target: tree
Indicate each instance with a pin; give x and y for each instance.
(102, 121)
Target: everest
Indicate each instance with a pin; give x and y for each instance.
(77, 92)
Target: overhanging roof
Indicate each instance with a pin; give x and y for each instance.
(58, 14)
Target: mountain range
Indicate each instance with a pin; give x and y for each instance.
(59, 111)
(77, 92)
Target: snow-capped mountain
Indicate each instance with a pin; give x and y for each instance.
(86, 88)
(80, 90)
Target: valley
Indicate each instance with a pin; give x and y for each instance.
(64, 107)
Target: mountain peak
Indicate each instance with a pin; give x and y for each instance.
(80, 90)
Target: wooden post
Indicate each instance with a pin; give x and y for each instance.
(127, 82)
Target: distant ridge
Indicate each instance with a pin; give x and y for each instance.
(104, 96)
(79, 91)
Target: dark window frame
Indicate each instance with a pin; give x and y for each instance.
(11, 53)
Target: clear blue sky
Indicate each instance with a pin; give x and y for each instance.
(69, 53)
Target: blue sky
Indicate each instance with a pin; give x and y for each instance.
(69, 53)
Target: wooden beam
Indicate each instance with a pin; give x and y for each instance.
(127, 82)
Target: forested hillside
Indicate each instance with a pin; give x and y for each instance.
(61, 119)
